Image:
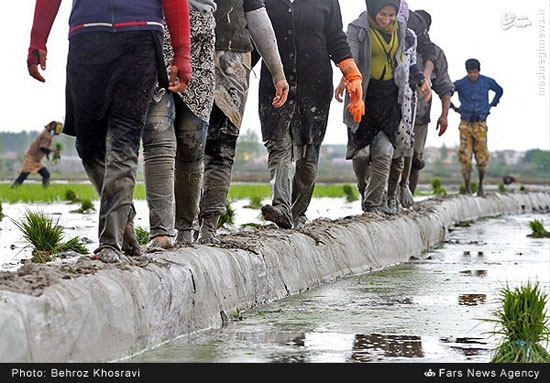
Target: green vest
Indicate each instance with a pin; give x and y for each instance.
(231, 32)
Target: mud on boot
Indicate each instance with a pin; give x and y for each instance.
(107, 255)
(272, 214)
(184, 238)
(130, 244)
(208, 229)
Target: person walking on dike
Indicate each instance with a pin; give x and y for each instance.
(377, 40)
(175, 137)
(113, 64)
(473, 93)
(443, 86)
(39, 148)
(310, 36)
(239, 25)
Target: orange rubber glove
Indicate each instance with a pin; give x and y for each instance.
(354, 81)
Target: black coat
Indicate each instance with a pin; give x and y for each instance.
(309, 34)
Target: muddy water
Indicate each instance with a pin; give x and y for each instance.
(427, 310)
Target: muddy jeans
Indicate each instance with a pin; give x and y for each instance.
(110, 80)
(218, 163)
(280, 166)
(381, 153)
(173, 151)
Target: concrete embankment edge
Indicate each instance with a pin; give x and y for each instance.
(120, 310)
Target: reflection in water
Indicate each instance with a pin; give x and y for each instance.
(367, 348)
(471, 299)
(475, 273)
(468, 346)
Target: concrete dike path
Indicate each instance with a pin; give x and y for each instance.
(81, 310)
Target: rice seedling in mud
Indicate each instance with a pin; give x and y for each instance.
(437, 186)
(46, 237)
(86, 206)
(462, 189)
(539, 231)
(474, 187)
(229, 217)
(142, 235)
(522, 188)
(71, 196)
(255, 203)
(501, 187)
(350, 192)
(522, 322)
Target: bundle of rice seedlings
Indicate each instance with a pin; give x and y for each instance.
(70, 196)
(350, 193)
(57, 156)
(501, 187)
(538, 230)
(86, 206)
(255, 202)
(142, 235)
(46, 237)
(474, 187)
(523, 324)
(462, 189)
(229, 217)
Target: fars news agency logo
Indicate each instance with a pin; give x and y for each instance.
(510, 20)
(429, 373)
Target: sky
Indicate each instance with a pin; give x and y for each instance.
(510, 38)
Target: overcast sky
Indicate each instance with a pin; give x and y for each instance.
(512, 53)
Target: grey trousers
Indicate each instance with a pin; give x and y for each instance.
(381, 153)
(173, 151)
(280, 165)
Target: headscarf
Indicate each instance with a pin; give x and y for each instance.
(473, 64)
(426, 17)
(374, 6)
(55, 127)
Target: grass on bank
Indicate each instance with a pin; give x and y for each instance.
(46, 237)
(29, 193)
(522, 322)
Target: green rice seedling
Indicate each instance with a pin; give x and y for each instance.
(440, 191)
(436, 184)
(75, 244)
(142, 235)
(350, 192)
(538, 229)
(70, 196)
(501, 187)
(86, 206)
(522, 322)
(522, 188)
(57, 156)
(462, 189)
(474, 187)
(229, 217)
(255, 202)
(42, 233)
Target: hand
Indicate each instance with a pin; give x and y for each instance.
(178, 79)
(442, 125)
(356, 105)
(281, 93)
(36, 57)
(339, 92)
(426, 91)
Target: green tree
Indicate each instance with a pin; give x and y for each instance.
(541, 158)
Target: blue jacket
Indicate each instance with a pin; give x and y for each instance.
(474, 97)
(115, 15)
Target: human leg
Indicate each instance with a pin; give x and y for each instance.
(159, 152)
(20, 179)
(417, 162)
(303, 183)
(465, 153)
(361, 169)
(481, 153)
(381, 157)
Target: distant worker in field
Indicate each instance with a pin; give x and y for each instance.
(473, 93)
(39, 148)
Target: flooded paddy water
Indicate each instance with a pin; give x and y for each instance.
(426, 310)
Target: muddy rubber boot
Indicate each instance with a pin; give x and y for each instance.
(467, 183)
(208, 230)
(130, 244)
(160, 243)
(107, 255)
(184, 238)
(480, 191)
(272, 214)
(45, 182)
(15, 184)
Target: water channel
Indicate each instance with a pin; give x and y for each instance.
(426, 310)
